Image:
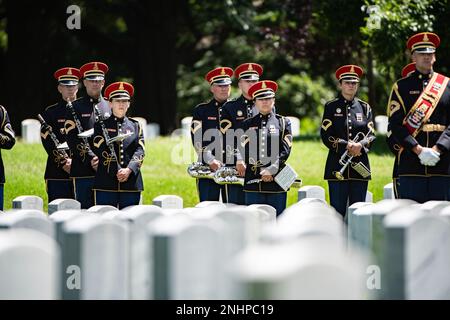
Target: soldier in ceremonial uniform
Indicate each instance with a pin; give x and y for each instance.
(234, 112)
(57, 179)
(419, 117)
(80, 117)
(264, 148)
(205, 133)
(393, 144)
(347, 126)
(118, 181)
(7, 141)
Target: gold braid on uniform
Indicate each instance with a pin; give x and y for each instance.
(108, 159)
(255, 164)
(334, 141)
(83, 148)
(58, 157)
(3, 138)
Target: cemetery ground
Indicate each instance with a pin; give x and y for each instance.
(25, 166)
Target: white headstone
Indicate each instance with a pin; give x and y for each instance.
(31, 131)
(28, 202)
(302, 220)
(168, 202)
(59, 218)
(311, 192)
(63, 204)
(29, 219)
(356, 227)
(245, 226)
(388, 191)
(445, 213)
(142, 124)
(310, 268)
(434, 206)
(141, 249)
(417, 256)
(381, 124)
(369, 196)
(311, 204)
(29, 266)
(186, 125)
(96, 249)
(379, 211)
(271, 212)
(204, 204)
(187, 256)
(295, 126)
(311, 200)
(152, 131)
(101, 209)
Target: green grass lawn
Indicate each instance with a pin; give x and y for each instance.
(165, 164)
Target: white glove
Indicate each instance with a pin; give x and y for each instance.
(429, 157)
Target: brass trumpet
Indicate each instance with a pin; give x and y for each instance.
(346, 159)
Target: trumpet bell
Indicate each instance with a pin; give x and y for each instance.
(339, 175)
(86, 134)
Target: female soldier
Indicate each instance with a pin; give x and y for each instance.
(347, 127)
(119, 145)
(267, 144)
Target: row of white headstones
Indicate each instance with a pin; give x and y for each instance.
(394, 249)
(31, 128)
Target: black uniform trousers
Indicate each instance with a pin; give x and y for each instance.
(276, 200)
(235, 194)
(423, 189)
(208, 190)
(346, 192)
(116, 199)
(59, 189)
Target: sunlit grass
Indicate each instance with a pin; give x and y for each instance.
(164, 169)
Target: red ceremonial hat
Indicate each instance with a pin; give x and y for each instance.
(220, 76)
(67, 76)
(424, 42)
(350, 72)
(248, 71)
(119, 90)
(94, 70)
(263, 89)
(409, 68)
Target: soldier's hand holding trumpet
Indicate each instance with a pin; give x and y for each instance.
(354, 148)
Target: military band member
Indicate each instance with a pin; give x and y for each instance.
(393, 144)
(205, 134)
(419, 119)
(234, 112)
(265, 147)
(7, 141)
(58, 182)
(347, 126)
(118, 181)
(84, 161)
